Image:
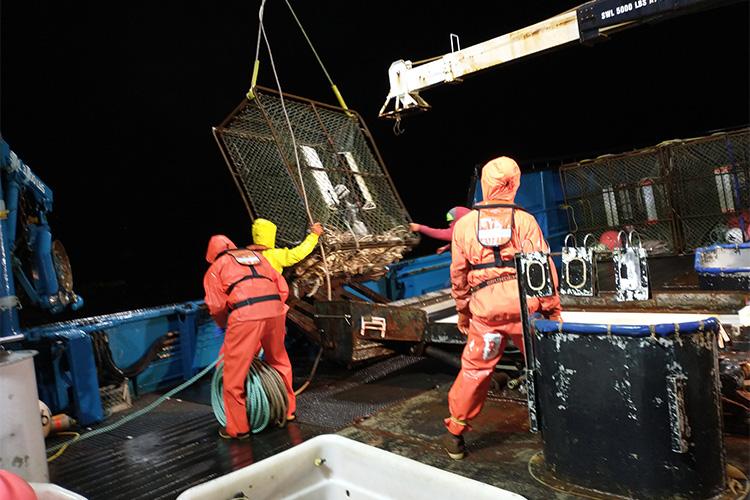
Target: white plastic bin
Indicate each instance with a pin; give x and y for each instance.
(331, 466)
(47, 491)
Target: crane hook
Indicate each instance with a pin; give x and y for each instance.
(397, 130)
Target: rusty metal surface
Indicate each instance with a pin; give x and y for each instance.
(444, 333)
(341, 328)
(337, 327)
(500, 448)
(539, 470)
(401, 323)
(365, 350)
(663, 301)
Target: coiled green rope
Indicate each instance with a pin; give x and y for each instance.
(266, 398)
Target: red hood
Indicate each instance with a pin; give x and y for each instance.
(501, 178)
(217, 244)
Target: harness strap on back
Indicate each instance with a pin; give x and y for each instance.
(497, 262)
(253, 300)
(222, 254)
(253, 272)
(255, 275)
(493, 281)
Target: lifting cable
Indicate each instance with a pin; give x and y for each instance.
(263, 383)
(335, 89)
(262, 34)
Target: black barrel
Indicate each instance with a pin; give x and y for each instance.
(632, 410)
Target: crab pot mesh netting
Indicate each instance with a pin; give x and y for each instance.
(347, 186)
(712, 187)
(678, 195)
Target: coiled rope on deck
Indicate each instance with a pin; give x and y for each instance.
(266, 398)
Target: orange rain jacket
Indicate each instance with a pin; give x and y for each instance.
(226, 270)
(496, 303)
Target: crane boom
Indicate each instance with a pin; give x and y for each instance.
(585, 23)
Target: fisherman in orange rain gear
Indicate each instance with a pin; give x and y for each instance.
(483, 283)
(245, 295)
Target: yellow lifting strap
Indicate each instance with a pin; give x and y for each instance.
(339, 97)
(253, 81)
(334, 88)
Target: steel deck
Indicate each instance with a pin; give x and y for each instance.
(176, 446)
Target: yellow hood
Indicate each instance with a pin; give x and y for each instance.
(264, 233)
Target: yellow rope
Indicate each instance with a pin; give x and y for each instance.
(458, 421)
(65, 446)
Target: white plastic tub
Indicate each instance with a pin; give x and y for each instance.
(47, 491)
(333, 467)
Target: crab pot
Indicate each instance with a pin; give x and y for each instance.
(632, 410)
(330, 168)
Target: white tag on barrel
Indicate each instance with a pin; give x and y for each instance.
(631, 270)
(536, 277)
(578, 275)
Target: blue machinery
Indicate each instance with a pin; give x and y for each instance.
(26, 197)
(156, 346)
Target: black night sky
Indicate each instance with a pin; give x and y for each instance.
(112, 104)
